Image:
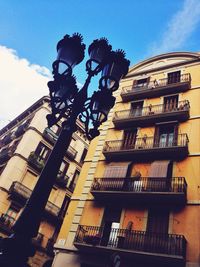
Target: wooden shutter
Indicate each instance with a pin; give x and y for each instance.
(129, 138)
(159, 168)
(156, 136)
(119, 170)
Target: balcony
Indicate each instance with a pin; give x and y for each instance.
(21, 130)
(71, 152)
(35, 163)
(143, 190)
(5, 155)
(50, 136)
(21, 194)
(52, 209)
(151, 90)
(62, 180)
(139, 246)
(147, 148)
(151, 114)
(6, 223)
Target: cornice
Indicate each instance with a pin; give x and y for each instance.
(194, 57)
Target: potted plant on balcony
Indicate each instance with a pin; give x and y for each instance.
(38, 164)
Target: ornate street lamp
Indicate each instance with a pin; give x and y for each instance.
(67, 103)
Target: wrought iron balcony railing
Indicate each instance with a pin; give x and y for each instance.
(147, 143)
(152, 114)
(21, 190)
(169, 147)
(146, 191)
(135, 241)
(145, 184)
(157, 88)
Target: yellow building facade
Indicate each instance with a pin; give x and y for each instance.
(137, 202)
(26, 143)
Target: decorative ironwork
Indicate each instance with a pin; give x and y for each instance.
(152, 110)
(181, 140)
(142, 184)
(159, 243)
(67, 99)
(152, 84)
(67, 103)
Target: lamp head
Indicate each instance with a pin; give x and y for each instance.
(71, 52)
(98, 52)
(115, 69)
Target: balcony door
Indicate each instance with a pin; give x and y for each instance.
(136, 108)
(166, 135)
(140, 83)
(160, 175)
(174, 77)
(158, 221)
(42, 152)
(110, 224)
(170, 103)
(129, 139)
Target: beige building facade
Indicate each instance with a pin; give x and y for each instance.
(26, 143)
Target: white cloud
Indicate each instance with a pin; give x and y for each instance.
(179, 29)
(21, 83)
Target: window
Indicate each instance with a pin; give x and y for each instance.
(171, 103)
(166, 135)
(74, 180)
(63, 168)
(129, 138)
(10, 216)
(136, 108)
(42, 152)
(158, 221)
(83, 155)
(174, 77)
(110, 220)
(141, 82)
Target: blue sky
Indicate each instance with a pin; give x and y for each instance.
(30, 30)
